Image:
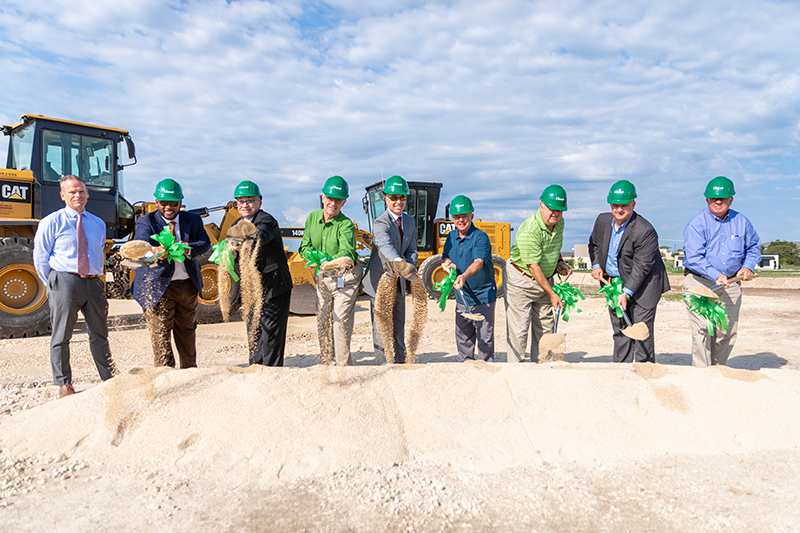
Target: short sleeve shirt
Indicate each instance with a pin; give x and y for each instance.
(336, 238)
(480, 288)
(536, 245)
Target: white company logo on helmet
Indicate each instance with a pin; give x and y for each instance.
(336, 187)
(619, 191)
(559, 198)
(169, 192)
(719, 187)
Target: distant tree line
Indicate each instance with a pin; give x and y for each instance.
(787, 250)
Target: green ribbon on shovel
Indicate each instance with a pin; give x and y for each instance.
(315, 258)
(223, 256)
(612, 292)
(176, 251)
(569, 295)
(711, 310)
(446, 286)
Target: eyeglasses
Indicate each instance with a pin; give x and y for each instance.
(337, 201)
(397, 197)
(251, 201)
(169, 204)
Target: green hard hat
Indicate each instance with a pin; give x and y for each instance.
(395, 185)
(336, 187)
(246, 188)
(621, 193)
(720, 187)
(168, 190)
(461, 205)
(554, 197)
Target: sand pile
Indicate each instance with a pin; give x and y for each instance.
(292, 422)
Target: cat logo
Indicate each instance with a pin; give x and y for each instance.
(14, 192)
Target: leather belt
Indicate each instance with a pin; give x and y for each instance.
(686, 272)
(90, 276)
(522, 271)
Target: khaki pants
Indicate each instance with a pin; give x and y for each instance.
(710, 350)
(175, 314)
(527, 308)
(336, 313)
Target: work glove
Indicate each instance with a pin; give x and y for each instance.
(395, 269)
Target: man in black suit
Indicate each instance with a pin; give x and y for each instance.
(168, 292)
(266, 331)
(625, 245)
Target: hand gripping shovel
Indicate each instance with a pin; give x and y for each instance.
(708, 292)
(638, 331)
(470, 315)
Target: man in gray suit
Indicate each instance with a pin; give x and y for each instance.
(394, 239)
(625, 245)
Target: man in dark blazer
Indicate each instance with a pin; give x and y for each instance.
(168, 292)
(389, 243)
(625, 245)
(267, 331)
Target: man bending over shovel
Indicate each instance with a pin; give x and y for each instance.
(719, 244)
(624, 245)
(469, 251)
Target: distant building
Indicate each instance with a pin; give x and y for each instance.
(768, 262)
(677, 261)
(581, 256)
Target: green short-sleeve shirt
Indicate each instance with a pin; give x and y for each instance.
(337, 238)
(536, 245)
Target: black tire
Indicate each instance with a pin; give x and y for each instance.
(24, 310)
(431, 272)
(499, 274)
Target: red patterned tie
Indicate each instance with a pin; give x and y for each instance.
(83, 253)
(400, 226)
(172, 228)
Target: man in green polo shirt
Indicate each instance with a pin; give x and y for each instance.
(329, 231)
(536, 255)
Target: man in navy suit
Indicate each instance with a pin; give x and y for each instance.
(389, 243)
(623, 244)
(168, 292)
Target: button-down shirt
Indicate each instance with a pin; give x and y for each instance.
(463, 251)
(336, 238)
(537, 245)
(612, 267)
(180, 268)
(714, 246)
(55, 246)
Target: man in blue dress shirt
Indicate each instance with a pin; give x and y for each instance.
(719, 243)
(468, 250)
(68, 256)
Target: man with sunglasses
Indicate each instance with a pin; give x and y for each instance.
(328, 230)
(169, 291)
(394, 239)
(719, 243)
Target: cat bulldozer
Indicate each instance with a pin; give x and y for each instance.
(422, 204)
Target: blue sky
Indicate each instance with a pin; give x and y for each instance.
(496, 100)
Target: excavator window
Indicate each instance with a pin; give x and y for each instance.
(88, 157)
(22, 148)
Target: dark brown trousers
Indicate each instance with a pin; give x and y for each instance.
(175, 312)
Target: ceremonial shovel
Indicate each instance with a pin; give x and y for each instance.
(470, 315)
(708, 292)
(638, 331)
(550, 341)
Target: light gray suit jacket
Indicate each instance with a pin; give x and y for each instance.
(386, 246)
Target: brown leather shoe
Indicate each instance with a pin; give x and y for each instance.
(66, 390)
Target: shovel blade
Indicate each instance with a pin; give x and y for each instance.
(702, 290)
(638, 331)
(474, 316)
(551, 341)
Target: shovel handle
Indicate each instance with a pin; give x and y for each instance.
(558, 312)
(734, 279)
